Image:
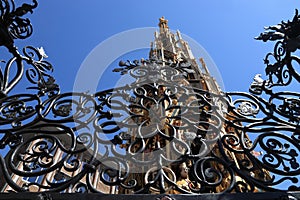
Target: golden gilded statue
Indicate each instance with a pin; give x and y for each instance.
(184, 181)
(163, 23)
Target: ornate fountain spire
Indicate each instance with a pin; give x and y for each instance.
(163, 24)
(171, 46)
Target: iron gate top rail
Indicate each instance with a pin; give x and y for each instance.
(90, 196)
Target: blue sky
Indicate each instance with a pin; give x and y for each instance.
(69, 30)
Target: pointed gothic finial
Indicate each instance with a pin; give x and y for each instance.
(163, 23)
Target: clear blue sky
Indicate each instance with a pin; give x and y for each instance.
(69, 30)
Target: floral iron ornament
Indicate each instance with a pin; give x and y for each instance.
(157, 134)
(13, 26)
(287, 35)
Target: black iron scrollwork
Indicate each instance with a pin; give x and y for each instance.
(287, 36)
(12, 25)
(158, 134)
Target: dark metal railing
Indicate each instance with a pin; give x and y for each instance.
(155, 135)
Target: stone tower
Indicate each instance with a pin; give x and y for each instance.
(178, 115)
(162, 133)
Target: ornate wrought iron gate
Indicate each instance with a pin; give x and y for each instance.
(108, 134)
